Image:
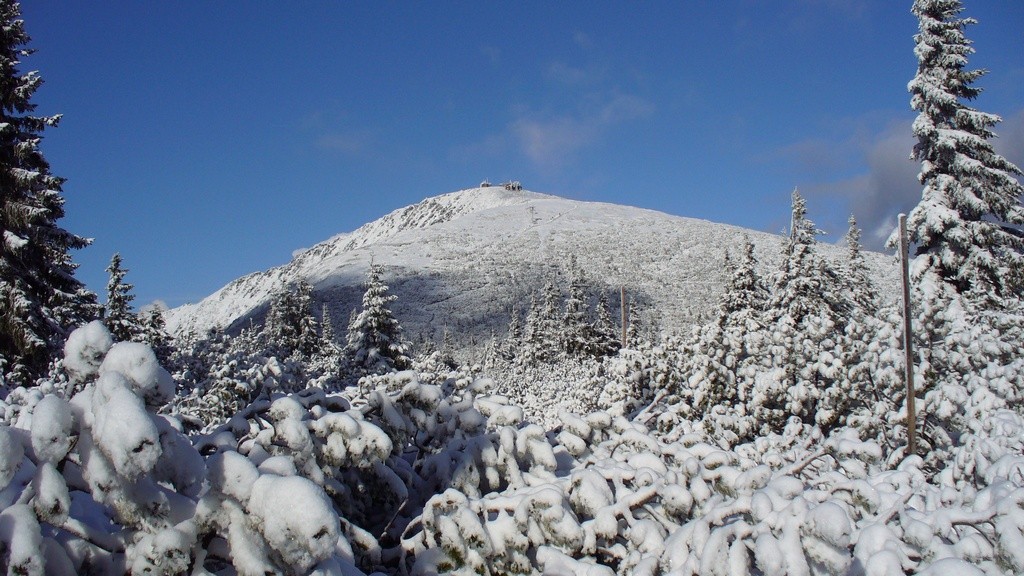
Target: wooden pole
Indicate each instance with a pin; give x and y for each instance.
(625, 313)
(908, 340)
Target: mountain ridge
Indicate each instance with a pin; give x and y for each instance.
(463, 261)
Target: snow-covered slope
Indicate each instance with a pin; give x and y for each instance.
(465, 260)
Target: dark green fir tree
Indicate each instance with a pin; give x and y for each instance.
(40, 298)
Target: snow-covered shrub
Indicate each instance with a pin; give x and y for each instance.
(101, 483)
(270, 522)
(229, 374)
(969, 366)
(619, 500)
(85, 350)
(434, 473)
(101, 472)
(542, 390)
(376, 459)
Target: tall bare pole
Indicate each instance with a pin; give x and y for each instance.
(908, 340)
(625, 313)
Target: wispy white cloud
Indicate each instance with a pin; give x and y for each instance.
(155, 304)
(330, 129)
(580, 98)
(583, 40)
(885, 182)
(550, 141)
(1010, 142)
(492, 54)
(346, 143)
(623, 108)
(494, 145)
(566, 74)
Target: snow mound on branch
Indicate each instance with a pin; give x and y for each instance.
(121, 427)
(85, 349)
(296, 518)
(138, 363)
(11, 455)
(52, 427)
(232, 474)
(19, 532)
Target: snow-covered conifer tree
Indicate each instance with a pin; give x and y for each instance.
(804, 283)
(874, 370)
(550, 332)
(709, 375)
(864, 379)
(291, 327)
(353, 314)
(513, 339)
(326, 358)
(969, 323)
(724, 355)
(634, 324)
(606, 340)
(40, 299)
(576, 329)
(327, 335)
(529, 343)
(745, 295)
(118, 315)
(862, 293)
(375, 337)
(542, 335)
(809, 313)
(309, 328)
(967, 226)
(153, 331)
(447, 351)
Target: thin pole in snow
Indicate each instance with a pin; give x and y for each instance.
(908, 342)
(625, 310)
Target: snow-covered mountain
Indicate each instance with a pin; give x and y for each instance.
(464, 260)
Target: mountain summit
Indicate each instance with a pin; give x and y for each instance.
(464, 261)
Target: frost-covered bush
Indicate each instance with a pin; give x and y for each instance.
(544, 389)
(617, 500)
(103, 483)
(106, 482)
(376, 457)
(228, 374)
(85, 349)
(429, 473)
(969, 366)
(269, 518)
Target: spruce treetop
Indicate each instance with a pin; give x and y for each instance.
(375, 341)
(968, 222)
(862, 292)
(118, 316)
(745, 293)
(805, 282)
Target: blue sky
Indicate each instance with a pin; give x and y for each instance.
(207, 140)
